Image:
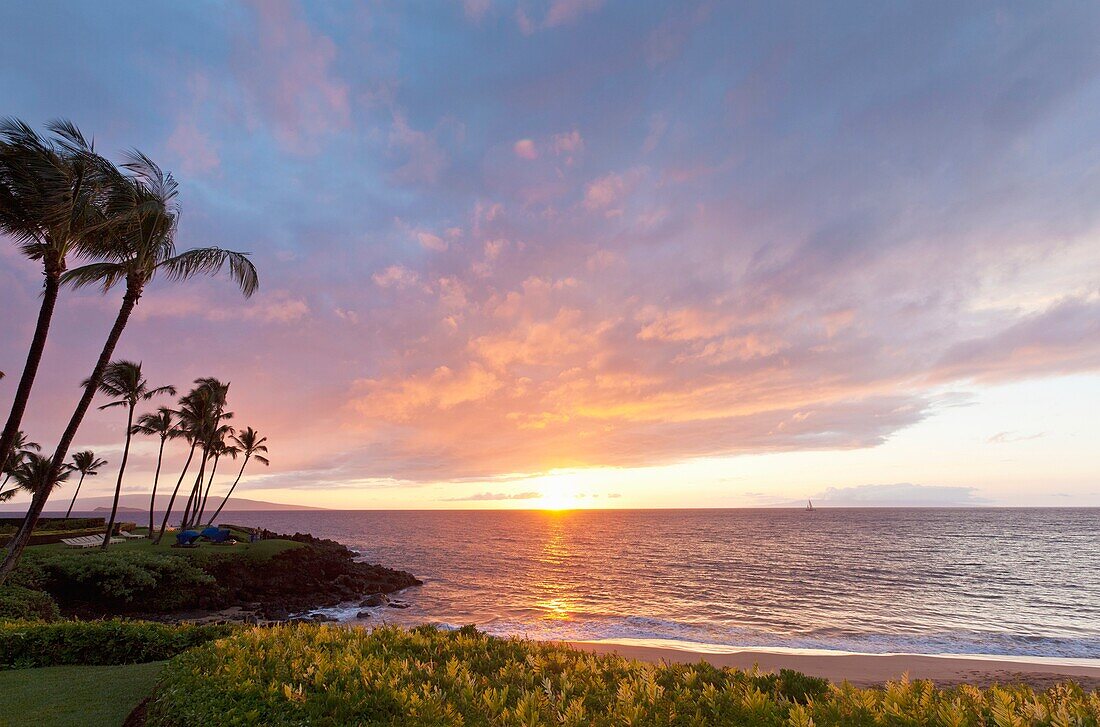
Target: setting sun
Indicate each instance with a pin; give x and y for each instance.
(559, 496)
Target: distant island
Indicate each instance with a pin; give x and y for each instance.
(134, 504)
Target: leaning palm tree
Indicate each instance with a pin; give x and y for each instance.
(20, 447)
(124, 381)
(36, 473)
(48, 194)
(250, 444)
(87, 464)
(135, 242)
(161, 423)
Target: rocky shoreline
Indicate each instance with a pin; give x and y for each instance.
(321, 575)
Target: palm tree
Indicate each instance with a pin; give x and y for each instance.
(161, 423)
(134, 242)
(251, 444)
(87, 464)
(218, 448)
(197, 414)
(36, 473)
(125, 382)
(48, 194)
(20, 447)
(212, 431)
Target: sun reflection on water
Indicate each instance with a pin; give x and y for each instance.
(555, 586)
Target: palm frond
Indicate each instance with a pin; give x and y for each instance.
(72, 137)
(112, 405)
(104, 274)
(210, 261)
(170, 390)
(149, 172)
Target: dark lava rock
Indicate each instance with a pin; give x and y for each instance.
(363, 614)
(375, 599)
(397, 604)
(320, 575)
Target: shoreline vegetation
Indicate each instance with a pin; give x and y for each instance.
(318, 674)
(276, 577)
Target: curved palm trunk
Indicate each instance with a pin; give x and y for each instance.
(196, 490)
(172, 499)
(73, 502)
(34, 356)
(38, 502)
(118, 482)
(156, 479)
(219, 510)
(209, 484)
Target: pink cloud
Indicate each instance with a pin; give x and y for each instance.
(196, 152)
(1063, 339)
(525, 149)
(425, 158)
(431, 241)
(524, 22)
(568, 143)
(475, 9)
(603, 193)
(278, 306)
(442, 390)
(288, 71)
(397, 276)
(563, 12)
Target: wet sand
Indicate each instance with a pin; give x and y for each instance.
(870, 669)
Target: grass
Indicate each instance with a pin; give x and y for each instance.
(259, 551)
(74, 695)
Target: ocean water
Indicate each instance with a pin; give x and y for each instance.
(1022, 582)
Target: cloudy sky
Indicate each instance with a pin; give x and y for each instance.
(602, 253)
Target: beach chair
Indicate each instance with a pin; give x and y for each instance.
(130, 536)
(84, 541)
(87, 541)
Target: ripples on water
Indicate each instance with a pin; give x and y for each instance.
(989, 581)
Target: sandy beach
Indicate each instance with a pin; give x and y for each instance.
(870, 669)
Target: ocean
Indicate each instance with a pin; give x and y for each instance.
(1021, 582)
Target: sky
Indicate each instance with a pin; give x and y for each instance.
(598, 253)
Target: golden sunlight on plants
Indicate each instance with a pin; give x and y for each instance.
(320, 675)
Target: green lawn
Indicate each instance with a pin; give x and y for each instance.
(74, 695)
(262, 550)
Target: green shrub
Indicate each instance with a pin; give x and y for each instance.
(25, 644)
(116, 580)
(322, 675)
(17, 602)
(73, 523)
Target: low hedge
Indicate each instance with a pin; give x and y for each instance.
(25, 644)
(322, 675)
(17, 602)
(11, 524)
(114, 581)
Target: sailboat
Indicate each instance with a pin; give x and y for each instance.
(809, 506)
